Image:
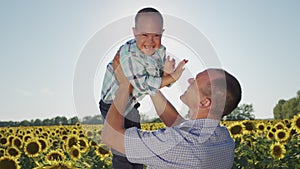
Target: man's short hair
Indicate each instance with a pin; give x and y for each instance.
(225, 92)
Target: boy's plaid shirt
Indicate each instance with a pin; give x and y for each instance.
(144, 73)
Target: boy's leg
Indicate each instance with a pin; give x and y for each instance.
(133, 118)
(119, 160)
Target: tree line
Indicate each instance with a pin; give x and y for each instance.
(284, 109)
(58, 120)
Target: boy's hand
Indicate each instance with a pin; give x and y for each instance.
(119, 74)
(179, 70)
(169, 66)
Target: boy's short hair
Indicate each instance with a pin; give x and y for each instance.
(146, 10)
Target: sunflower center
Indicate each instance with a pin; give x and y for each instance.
(298, 122)
(8, 163)
(13, 152)
(55, 156)
(281, 135)
(277, 151)
(32, 148)
(103, 150)
(261, 127)
(236, 129)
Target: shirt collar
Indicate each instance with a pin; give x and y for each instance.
(200, 123)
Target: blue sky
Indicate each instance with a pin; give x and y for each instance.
(41, 42)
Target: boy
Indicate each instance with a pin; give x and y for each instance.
(145, 65)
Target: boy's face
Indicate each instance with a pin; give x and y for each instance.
(148, 32)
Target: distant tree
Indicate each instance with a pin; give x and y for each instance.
(86, 119)
(155, 120)
(286, 109)
(73, 120)
(242, 112)
(64, 120)
(37, 122)
(47, 122)
(8, 124)
(97, 119)
(57, 120)
(25, 123)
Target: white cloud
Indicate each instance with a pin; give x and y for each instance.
(24, 92)
(47, 92)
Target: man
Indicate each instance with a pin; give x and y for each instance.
(196, 143)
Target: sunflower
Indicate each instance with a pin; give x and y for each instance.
(13, 152)
(54, 143)
(45, 134)
(11, 131)
(89, 134)
(75, 153)
(4, 142)
(71, 141)
(261, 127)
(9, 163)
(102, 151)
(78, 124)
(27, 137)
(37, 132)
(75, 132)
(280, 125)
(64, 137)
(32, 148)
(58, 165)
(249, 126)
(296, 123)
(83, 144)
(44, 144)
(93, 143)
(287, 123)
(281, 135)
(268, 127)
(17, 142)
(53, 134)
(55, 155)
(277, 150)
(270, 135)
(236, 129)
(2, 151)
(10, 139)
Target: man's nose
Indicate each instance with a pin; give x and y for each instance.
(190, 80)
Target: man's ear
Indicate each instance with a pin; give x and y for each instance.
(205, 103)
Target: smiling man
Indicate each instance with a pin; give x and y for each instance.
(196, 143)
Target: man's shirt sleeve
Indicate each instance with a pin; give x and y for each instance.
(147, 147)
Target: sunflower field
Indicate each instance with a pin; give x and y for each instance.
(260, 144)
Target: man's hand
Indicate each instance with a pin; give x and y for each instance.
(119, 74)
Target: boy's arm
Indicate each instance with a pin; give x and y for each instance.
(174, 76)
